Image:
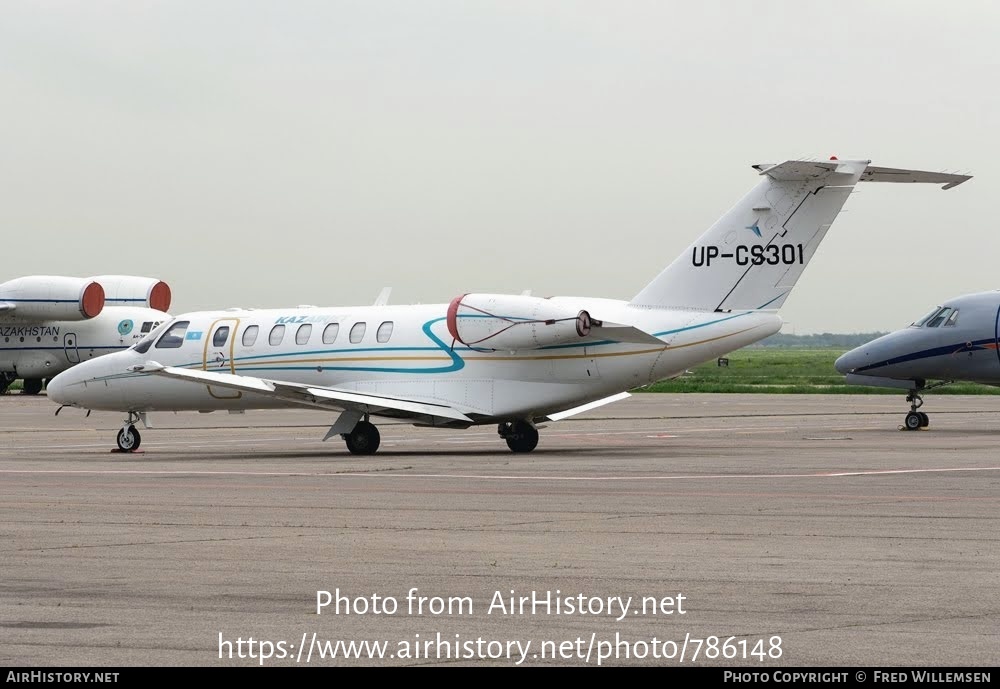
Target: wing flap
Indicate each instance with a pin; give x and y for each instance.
(306, 395)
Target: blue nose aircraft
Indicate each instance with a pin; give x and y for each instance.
(954, 342)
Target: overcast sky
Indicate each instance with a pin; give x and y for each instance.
(279, 153)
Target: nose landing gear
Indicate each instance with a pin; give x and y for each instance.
(129, 437)
(915, 420)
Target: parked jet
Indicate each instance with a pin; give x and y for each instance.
(955, 342)
(512, 360)
(49, 323)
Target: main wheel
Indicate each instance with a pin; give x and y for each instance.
(129, 439)
(925, 420)
(364, 439)
(32, 386)
(913, 421)
(522, 437)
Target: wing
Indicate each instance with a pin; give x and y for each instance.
(312, 395)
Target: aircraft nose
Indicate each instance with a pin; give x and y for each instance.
(849, 361)
(56, 388)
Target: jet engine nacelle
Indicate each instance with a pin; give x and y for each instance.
(50, 297)
(129, 290)
(505, 321)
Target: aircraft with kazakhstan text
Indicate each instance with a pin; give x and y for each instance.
(51, 322)
(513, 360)
(959, 341)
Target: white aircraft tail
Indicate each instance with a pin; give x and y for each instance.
(753, 256)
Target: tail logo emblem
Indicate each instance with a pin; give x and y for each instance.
(754, 228)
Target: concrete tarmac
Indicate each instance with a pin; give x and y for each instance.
(809, 524)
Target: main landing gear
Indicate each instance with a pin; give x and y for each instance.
(364, 439)
(128, 437)
(32, 386)
(520, 435)
(5, 380)
(915, 420)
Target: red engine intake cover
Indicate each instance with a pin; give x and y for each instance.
(159, 296)
(92, 300)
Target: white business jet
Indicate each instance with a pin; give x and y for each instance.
(513, 360)
(49, 323)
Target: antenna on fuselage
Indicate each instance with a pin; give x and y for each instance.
(383, 297)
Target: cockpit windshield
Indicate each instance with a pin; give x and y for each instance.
(174, 336)
(923, 321)
(940, 316)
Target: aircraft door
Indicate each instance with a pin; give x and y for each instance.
(218, 354)
(996, 334)
(70, 348)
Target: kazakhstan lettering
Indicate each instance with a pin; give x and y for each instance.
(29, 331)
(754, 254)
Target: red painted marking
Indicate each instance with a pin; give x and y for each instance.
(92, 300)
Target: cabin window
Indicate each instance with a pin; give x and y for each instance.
(358, 332)
(330, 333)
(221, 337)
(384, 332)
(277, 335)
(174, 337)
(146, 327)
(303, 333)
(250, 335)
(952, 319)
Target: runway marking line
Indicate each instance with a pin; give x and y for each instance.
(492, 477)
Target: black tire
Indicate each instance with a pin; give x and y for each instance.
(364, 439)
(913, 421)
(522, 437)
(31, 386)
(129, 439)
(925, 420)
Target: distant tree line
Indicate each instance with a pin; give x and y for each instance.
(819, 340)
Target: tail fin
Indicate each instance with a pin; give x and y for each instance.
(753, 256)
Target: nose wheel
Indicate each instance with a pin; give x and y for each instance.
(915, 420)
(520, 435)
(129, 437)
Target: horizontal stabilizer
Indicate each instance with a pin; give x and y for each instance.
(795, 170)
(587, 407)
(307, 395)
(879, 382)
